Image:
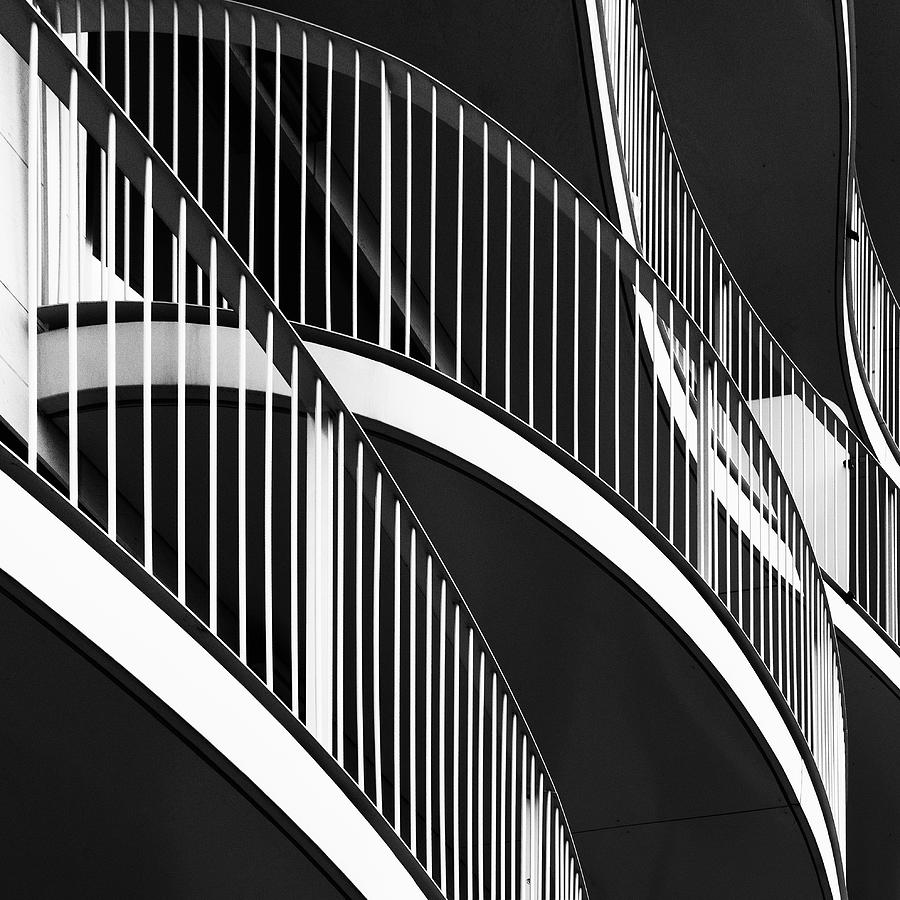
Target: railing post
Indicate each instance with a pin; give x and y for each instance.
(319, 572)
(384, 294)
(34, 249)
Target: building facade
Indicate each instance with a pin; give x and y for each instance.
(402, 496)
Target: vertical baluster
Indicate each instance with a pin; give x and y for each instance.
(396, 669)
(147, 379)
(442, 741)
(407, 322)
(597, 301)
(251, 228)
(200, 123)
(432, 258)
(226, 128)
(429, 731)
(713, 492)
(554, 311)
(531, 292)
(636, 383)
(493, 838)
(376, 642)
(513, 806)
(413, 811)
(213, 436)
(617, 279)
(294, 531)
(175, 86)
(459, 242)
(304, 101)
(329, 125)
(484, 257)
(109, 263)
(457, 751)
(470, 749)
(507, 321)
(538, 877)
(181, 402)
(358, 554)
(126, 200)
(575, 303)
(242, 471)
(74, 233)
(339, 587)
(384, 328)
(502, 844)
(481, 776)
(102, 41)
(268, 463)
(276, 176)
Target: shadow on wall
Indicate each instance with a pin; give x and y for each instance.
(751, 95)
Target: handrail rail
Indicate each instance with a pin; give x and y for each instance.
(482, 345)
(874, 314)
(858, 555)
(263, 622)
(867, 541)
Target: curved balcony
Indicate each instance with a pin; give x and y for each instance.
(871, 335)
(534, 305)
(856, 540)
(322, 591)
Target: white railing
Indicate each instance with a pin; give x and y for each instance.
(469, 254)
(874, 320)
(212, 450)
(846, 498)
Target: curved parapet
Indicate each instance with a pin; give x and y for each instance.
(320, 587)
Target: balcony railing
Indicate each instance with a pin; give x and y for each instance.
(212, 450)
(468, 253)
(874, 321)
(847, 499)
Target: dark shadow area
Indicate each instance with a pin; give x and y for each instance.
(103, 799)
(525, 64)
(878, 124)
(666, 791)
(873, 794)
(751, 95)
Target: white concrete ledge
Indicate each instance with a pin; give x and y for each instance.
(98, 600)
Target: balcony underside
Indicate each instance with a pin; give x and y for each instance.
(754, 102)
(112, 794)
(662, 777)
(670, 790)
(877, 126)
(873, 792)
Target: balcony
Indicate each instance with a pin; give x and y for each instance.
(445, 260)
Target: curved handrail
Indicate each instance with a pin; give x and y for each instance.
(545, 283)
(874, 314)
(334, 478)
(849, 551)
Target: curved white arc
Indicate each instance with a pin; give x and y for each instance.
(868, 417)
(385, 394)
(621, 193)
(850, 621)
(53, 372)
(124, 623)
